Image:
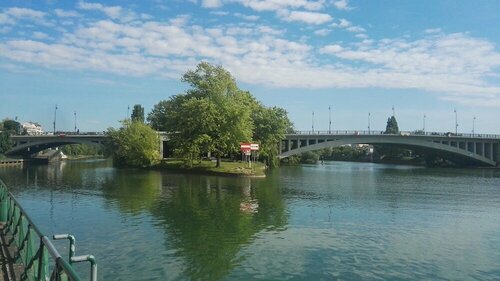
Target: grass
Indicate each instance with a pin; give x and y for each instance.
(208, 167)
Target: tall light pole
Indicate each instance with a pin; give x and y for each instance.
(424, 123)
(456, 122)
(369, 115)
(55, 116)
(75, 121)
(312, 122)
(473, 123)
(329, 120)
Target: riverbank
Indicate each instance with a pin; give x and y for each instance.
(236, 169)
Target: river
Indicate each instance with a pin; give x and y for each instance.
(337, 221)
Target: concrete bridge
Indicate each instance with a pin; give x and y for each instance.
(26, 146)
(477, 149)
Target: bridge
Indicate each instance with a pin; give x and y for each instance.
(474, 149)
(26, 145)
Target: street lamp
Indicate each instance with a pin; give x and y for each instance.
(456, 122)
(473, 123)
(329, 120)
(369, 115)
(55, 116)
(312, 122)
(424, 123)
(75, 121)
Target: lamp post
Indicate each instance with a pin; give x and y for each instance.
(75, 121)
(312, 127)
(329, 120)
(473, 123)
(55, 116)
(369, 115)
(456, 122)
(424, 123)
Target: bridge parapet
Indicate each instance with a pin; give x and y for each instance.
(402, 133)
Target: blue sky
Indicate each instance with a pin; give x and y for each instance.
(357, 56)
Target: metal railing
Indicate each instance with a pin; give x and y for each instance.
(402, 133)
(36, 254)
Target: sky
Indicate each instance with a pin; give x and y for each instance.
(360, 58)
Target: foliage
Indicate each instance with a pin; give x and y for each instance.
(11, 126)
(5, 142)
(309, 157)
(157, 118)
(133, 145)
(392, 126)
(212, 116)
(138, 113)
(81, 149)
(270, 127)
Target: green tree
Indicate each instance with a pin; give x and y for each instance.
(392, 126)
(5, 142)
(138, 113)
(212, 116)
(133, 145)
(11, 126)
(271, 124)
(157, 118)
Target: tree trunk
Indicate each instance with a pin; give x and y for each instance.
(218, 162)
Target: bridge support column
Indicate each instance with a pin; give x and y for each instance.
(496, 152)
(491, 151)
(482, 152)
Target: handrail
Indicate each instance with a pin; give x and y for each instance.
(402, 133)
(25, 234)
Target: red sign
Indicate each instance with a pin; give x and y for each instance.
(245, 146)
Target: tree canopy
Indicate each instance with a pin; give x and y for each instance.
(214, 116)
(138, 113)
(392, 126)
(135, 145)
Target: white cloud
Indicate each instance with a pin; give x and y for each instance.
(111, 11)
(322, 32)
(276, 5)
(247, 17)
(342, 4)
(211, 3)
(331, 49)
(66, 14)
(40, 35)
(347, 25)
(458, 66)
(12, 15)
(305, 17)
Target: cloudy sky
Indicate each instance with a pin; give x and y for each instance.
(357, 56)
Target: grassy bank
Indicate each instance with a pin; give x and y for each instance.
(208, 167)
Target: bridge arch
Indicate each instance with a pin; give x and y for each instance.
(28, 145)
(455, 149)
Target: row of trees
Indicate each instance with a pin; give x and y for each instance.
(212, 117)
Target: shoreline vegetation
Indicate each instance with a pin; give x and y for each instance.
(235, 169)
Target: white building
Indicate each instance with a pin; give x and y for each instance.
(32, 128)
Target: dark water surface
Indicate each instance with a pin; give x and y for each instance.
(338, 221)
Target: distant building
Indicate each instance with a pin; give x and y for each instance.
(32, 128)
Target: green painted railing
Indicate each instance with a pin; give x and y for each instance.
(35, 252)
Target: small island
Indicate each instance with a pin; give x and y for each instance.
(208, 121)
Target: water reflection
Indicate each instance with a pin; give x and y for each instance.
(349, 221)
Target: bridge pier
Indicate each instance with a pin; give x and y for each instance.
(496, 152)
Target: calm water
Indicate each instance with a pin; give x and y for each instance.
(338, 221)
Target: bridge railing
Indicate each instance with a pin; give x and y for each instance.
(39, 258)
(402, 133)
